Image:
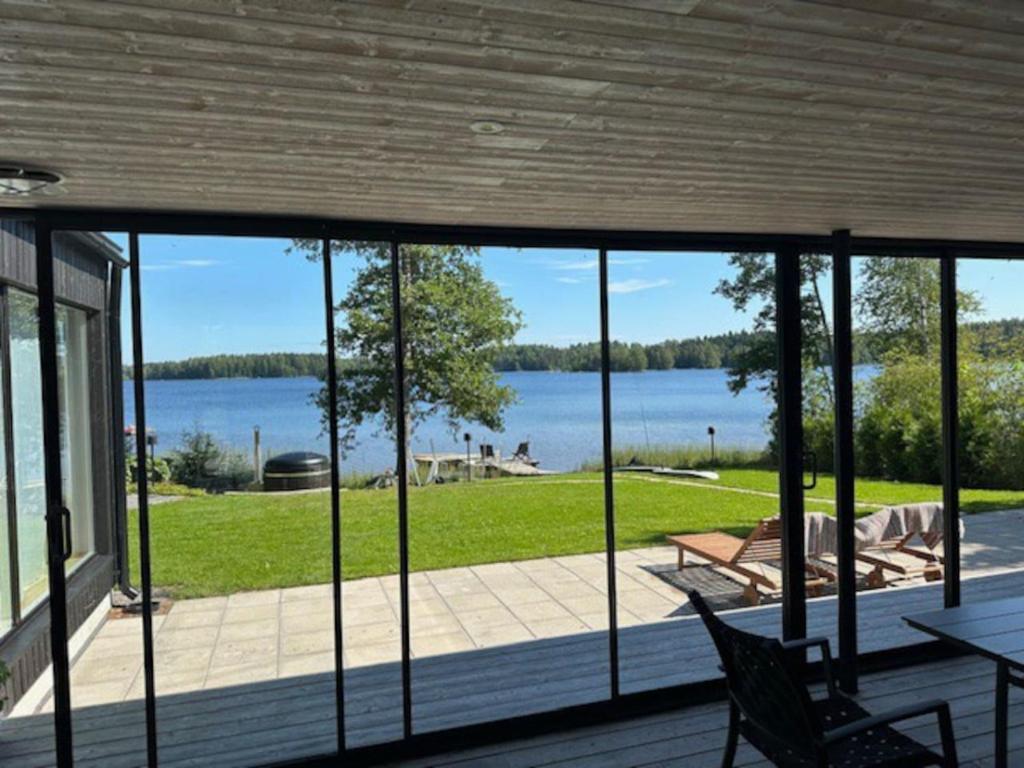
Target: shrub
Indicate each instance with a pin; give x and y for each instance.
(5, 675)
(201, 463)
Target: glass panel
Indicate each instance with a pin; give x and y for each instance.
(7, 562)
(240, 512)
(694, 365)
(76, 433)
(898, 443)
(29, 470)
(26, 727)
(991, 378)
(506, 506)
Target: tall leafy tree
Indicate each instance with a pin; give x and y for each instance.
(899, 307)
(455, 322)
(753, 288)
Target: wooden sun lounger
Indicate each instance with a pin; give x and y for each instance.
(899, 557)
(748, 557)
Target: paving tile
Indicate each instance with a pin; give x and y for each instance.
(502, 635)
(473, 602)
(192, 619)
(263, 597)
(435, 645)
(299, 644)
(118, 645)
(182, 661)
(429, 608)
(235, 652)
(588, 604)
(306, 607)
(240, 674)
(372, 634)
(90, 670)
(540, 611)
(306, 664)
(598, 620)
(199, 604)
(366, 615)
(246, 613)
(184, 639)
(311, 592)
(521, 596)
(245, 630)
(99, 693)
(486, 617)
(127, 627)
(309, 622)
(422, 626)
(556, 627)
(366, 655)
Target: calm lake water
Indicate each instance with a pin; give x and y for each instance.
(559, 413)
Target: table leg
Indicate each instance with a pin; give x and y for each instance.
(1002, 707)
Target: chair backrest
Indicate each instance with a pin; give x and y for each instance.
(764, 544)
(763, 685)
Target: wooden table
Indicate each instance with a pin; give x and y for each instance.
(993, 629)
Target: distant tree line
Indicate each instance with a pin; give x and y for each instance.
(274, 365)
(994, 339)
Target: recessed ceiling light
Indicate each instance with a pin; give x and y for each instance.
(486, 127)
(16, 181)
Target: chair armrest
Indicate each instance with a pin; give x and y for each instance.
(936, 706)
(826, 656)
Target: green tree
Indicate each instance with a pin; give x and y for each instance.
(899, 305)
(455, 324)
(752, 288)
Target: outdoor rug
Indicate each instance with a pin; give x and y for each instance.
(720, 592)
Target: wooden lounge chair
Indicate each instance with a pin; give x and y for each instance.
(771, 707)
(899, 556)
(749, 558)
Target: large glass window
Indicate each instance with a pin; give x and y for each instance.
(7, 562)
(27, 429)
(76, 434)
(693, 361)
(27, 438)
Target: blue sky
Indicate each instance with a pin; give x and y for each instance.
(209, 295)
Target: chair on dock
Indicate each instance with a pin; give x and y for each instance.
(771, 707)
(752, 558)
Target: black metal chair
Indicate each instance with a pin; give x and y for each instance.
(771, 707)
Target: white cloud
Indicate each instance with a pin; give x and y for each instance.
(569, 280)
(635, 285)
(588, 264)
(179, 264)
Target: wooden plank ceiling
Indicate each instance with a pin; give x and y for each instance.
(892, 117)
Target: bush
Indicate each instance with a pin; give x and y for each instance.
(201, 463)
(899, 429)
(5, 675)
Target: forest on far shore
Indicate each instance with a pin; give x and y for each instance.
(703, 352)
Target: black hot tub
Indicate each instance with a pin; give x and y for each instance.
(296, 471)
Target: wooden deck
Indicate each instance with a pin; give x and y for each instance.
(694, 737)
(260, 723)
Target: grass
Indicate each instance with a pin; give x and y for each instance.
(212, 545)
(681, 457)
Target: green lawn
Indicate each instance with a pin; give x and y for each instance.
(221, 544)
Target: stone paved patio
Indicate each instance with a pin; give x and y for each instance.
(259, 636)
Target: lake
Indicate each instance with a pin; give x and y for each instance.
(558, 413)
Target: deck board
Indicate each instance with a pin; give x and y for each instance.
(275, 720)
